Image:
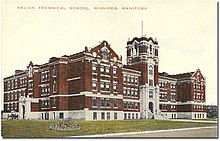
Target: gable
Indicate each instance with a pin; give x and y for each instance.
(198, 75)
(104, 50)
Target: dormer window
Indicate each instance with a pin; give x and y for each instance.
(105, 54)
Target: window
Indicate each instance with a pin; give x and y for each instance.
(107, 103)
(115, 87)
(115, 103)
(128, 91)
(132, 80)
(94, 85)
(17, 95)
(151, 94)
(9, 85)
(102, 103)
(16, 83)
(108, 116)
(61, 116)
(30, 84)
(132, 115)
(15, 106)
(105, 54)
(128, 79)
(114, 71)
(125, 104)
(136, 116)
(115, 115)
(8, 106)
(124, 78)
(129, 105)
(54, 71)
(173, 96)
(151, 82)
(107, 70)
(12, 84)
(94, 68)
(173, 107)
(150, 72)
(54, 86)
(136, 81)
(136, 93)
(22, 93)
(132, 105)
(125, 115)
(173, 86)
(151, 49)
(163, 106)
(54, 103)
(107, 85)
(124, 92)
(13, 95)
(102, 69)
(102, 115)
(94, 115)
(132, 92)
(136, 105)
(129, 115)
(94, 102)
(102, 85)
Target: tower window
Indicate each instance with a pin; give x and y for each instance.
(151, 82)
(151, 72)
(150, 49)
(150, 94)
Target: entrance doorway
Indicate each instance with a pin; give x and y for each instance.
(23, 109)
(151, 107)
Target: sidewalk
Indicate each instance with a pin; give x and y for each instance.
(189, 120)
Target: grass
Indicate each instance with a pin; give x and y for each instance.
(40, 128)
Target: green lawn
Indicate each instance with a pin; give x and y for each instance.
(40, 129)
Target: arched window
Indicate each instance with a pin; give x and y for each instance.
(151, 70)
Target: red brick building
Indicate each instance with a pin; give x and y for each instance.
(95, 85)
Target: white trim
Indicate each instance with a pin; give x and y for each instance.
(169, 103)
(77, 59)
(15, 90)
(75, 78)
(11, 102)
(104, 96)
(132, 71)
(190, 102)
(106, 65)
(68, 95)
(130, 100)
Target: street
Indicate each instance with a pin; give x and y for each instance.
(195, 132)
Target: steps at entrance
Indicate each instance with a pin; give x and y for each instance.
(160, 117)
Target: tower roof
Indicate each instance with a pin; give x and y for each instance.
(141, 39)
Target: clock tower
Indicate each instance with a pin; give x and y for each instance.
(142, 55)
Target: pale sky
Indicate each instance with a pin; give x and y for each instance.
(186, 32)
